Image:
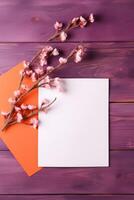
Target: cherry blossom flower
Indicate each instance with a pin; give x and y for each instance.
(47, 49)
(23, 107)
(63, 36)
(75, 20)
(79, 54)
(34, 122)
(28, 72)
(58, 26)
(11, 100)
(57, 84)
(33, 77)
(26, 64)
(17, 108)
(22, 72)
(83, 22)
(31, 107)
(17, 93)
(50, 68)
(5, 114)
(24, 87)
(39, 71)
(19, 117)
(62, 60)
(91, 18)
(55, 52)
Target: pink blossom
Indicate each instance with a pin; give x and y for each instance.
(75, 20)
(17, 108)
(57, 84)
(57, 81)
(17, 93)
(26, 64)
(11, 100)
(28, 72)
(55, 52)
(91, 18)
(47, 49)
(62, 60)
(45, 82)
(19, 117)
(58, 26)
(23, 107)
(47, 79)
(43, 61)
(33, 77)
(39, 71)
(34, 122)
(31, 107)
(5, 114)
(83, 22)
(50, 68)
(79, 54)
(63, 36)
(24, 87)
(22, 73)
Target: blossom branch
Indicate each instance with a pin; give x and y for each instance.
(42, 81)
(39, 72)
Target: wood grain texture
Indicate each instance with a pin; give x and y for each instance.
(33, 20)
(66, 197)
(121, 127)
(24, 26)
(117, 179)
(113, 61)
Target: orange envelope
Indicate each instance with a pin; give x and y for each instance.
(22, 140)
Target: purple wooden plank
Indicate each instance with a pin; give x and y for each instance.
(121, 127)
(116, 179)
(67, 197)
(33, 20)
(115, 63)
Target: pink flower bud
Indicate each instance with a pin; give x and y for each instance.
(19, 117)
(24, 87)
(17, 108)
(31, 107)
(83, 22)
(17, 93)
(91, 18)
(34, 122)
(79, 54)
(58, 26)
(28, 72)
(22, 73)
(55, 52)
(23, 107)
(50, 68)
(11, 100)
(62, 60)
(5, 114)
(33, 77)
(75, 20)
(63, 36)
(47, 49)
(26, 64)
(39, 71)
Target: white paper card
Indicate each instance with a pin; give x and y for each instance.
(74, 132)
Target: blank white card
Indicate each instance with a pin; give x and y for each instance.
(74, 132)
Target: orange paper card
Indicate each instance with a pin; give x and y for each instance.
(22, 140)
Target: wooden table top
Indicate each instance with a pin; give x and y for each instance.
(24, 28)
